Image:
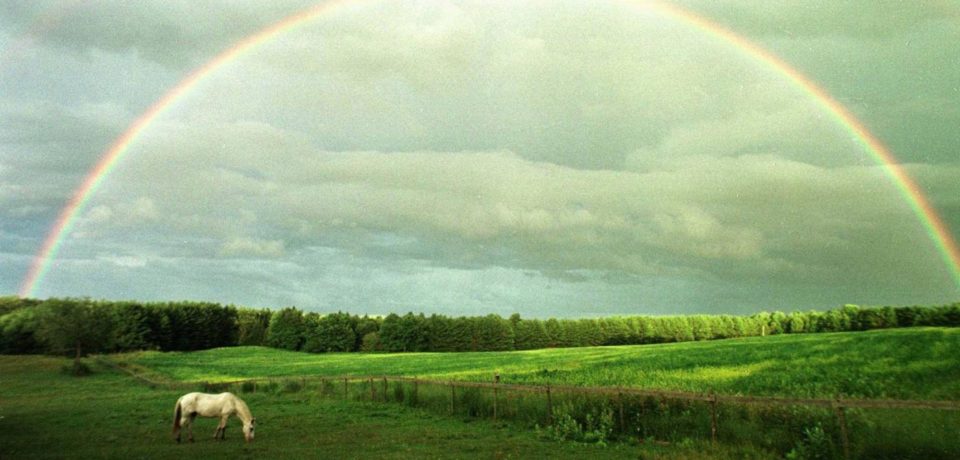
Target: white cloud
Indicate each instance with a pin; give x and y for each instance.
(568, 141)
(125, 261)
(252, 247)
(757, 214)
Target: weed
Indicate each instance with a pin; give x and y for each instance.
(816, 445)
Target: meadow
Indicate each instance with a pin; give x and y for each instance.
(910, 363)
(111, 415)
(45, 413)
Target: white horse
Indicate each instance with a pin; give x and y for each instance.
(223, 405)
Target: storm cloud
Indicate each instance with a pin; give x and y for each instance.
(556, 159)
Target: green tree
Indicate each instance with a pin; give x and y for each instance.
(75, 327)
(362, 327)
(796, 323)
(701, 327)
(615, 331)
(132, 327)
(332, 333)
(531, 335)
(287, 329)
(442, 334)
(493, 333)
(371, 342)
(11, 303)
(18, 332)
(678, 329)
(554, 332)
(252, 326)
(390, 336)
(311, 337)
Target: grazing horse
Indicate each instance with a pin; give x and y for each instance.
(223, 405)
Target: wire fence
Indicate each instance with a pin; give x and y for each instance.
(851, 428)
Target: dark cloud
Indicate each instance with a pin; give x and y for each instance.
(819, 18)
(467, 158)
(174, 33)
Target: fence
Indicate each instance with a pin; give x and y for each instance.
(623, 411)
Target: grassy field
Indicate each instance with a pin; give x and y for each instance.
(47, 414)
(915, 363)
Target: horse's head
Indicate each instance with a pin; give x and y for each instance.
(248, 429)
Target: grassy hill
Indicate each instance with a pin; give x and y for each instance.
(913, 363)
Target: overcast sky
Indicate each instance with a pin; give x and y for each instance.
(558, 159)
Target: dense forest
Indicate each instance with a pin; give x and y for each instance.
(82, 326)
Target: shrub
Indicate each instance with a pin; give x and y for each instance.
(816, 445)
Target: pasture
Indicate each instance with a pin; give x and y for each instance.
(46, 414)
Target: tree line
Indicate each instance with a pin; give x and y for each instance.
(81, 326)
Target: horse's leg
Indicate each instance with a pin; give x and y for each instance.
(184, 422)
(193, 416)
(221, 428)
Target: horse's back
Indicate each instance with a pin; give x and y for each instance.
(208, 405)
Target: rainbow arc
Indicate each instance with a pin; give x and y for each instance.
(933, 224)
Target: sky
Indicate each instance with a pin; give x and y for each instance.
(555, 159)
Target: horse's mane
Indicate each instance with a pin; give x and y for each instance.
(242, 410)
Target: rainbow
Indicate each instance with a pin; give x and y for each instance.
(932, 222)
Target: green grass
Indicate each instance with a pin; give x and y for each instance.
(47, 414)
(914, 363)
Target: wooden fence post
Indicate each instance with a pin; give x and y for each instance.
(549, 407)
(373, 391)
(623, 426)
(495, 383)
(844, 437)
(713, 417)
(453, 399)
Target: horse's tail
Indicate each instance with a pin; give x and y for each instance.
(176, 417)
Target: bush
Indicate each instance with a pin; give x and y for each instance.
(597, 428)
(816, 445)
